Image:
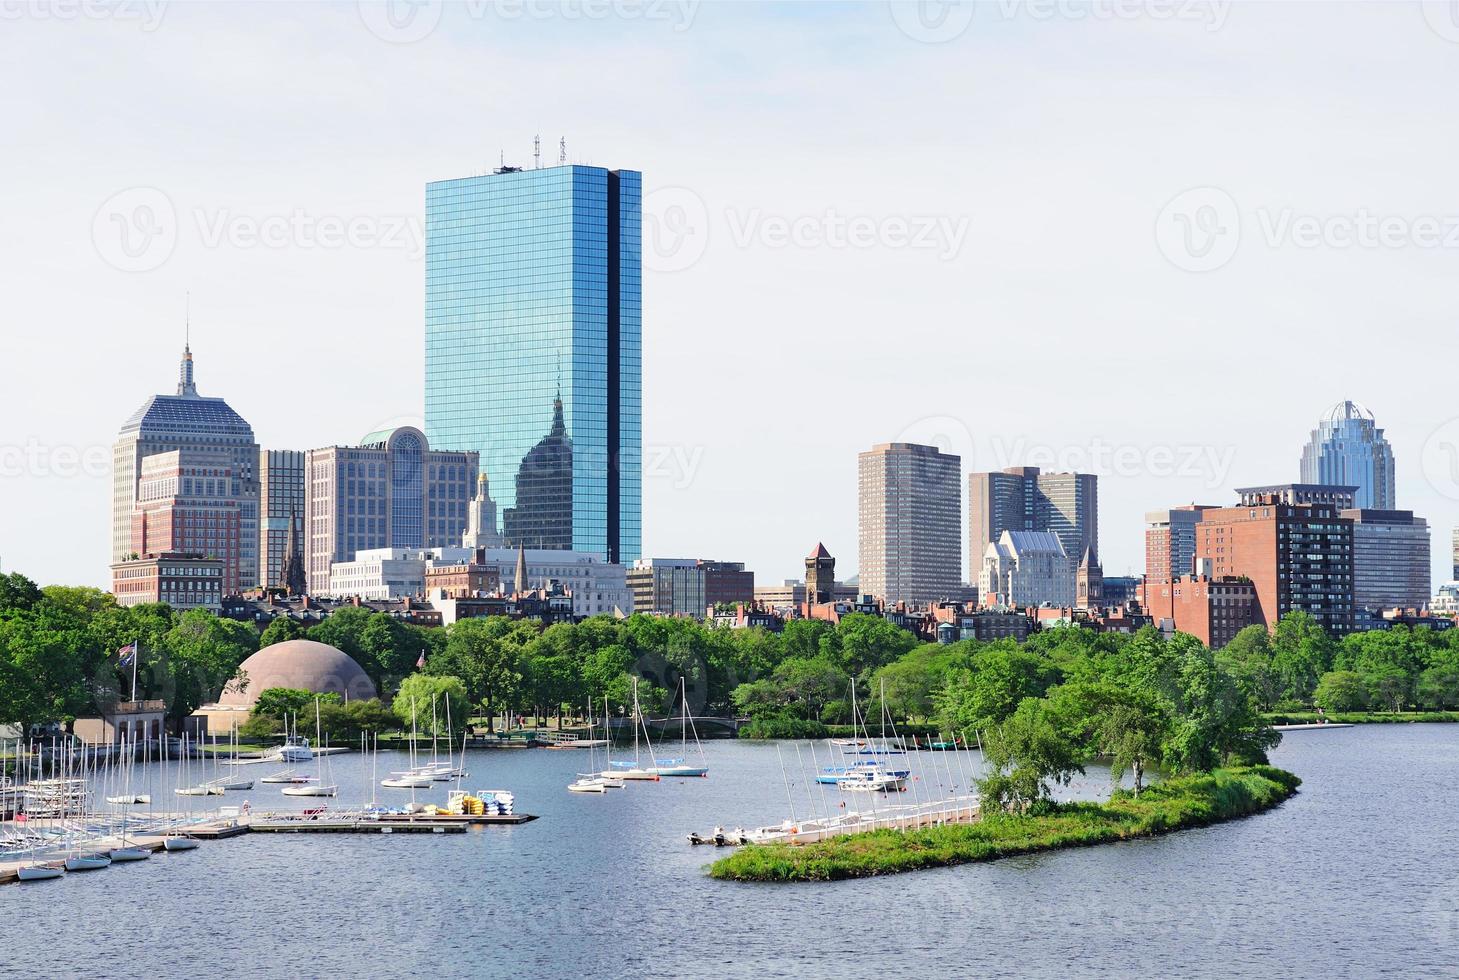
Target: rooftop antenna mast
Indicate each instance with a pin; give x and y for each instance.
(187, 320)
(562, 151)
(537, 152)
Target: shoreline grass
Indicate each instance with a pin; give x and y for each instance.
(1174, 804)
(1361, 717)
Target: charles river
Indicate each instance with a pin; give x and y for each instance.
(1356, 876)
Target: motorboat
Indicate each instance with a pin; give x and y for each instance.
(830, 775)
(296, 749)
(871, 781)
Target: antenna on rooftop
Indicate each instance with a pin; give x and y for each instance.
(537, 152)
(187, 320)
(562, 151)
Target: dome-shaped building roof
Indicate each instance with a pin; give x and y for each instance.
(302, 664)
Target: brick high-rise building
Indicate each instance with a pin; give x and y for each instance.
(1170, 541)
(1295, 547)
(1023, 498)
(187, 504)
(909, 527)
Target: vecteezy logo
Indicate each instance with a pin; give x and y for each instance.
(1442, 16)
(932, 21)
(676, 229)
(1199, 229)
(400, 21)
(135, 230)
(1441, 459)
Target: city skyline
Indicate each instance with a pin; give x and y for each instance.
(726, 353)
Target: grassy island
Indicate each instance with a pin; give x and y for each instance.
(1175, 804)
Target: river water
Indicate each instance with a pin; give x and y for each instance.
(1356, 876)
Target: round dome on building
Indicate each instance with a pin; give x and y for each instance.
(301, 664)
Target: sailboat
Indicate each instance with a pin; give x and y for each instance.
(231, 783)
(127, 852)
(634, 769)
(286, 776)
(318, 787)
(677, 767)
(594, 782)
(416, 777)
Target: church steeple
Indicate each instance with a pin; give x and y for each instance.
(521, 582)
(292, 576)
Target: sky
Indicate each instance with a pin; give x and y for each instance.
(1151, 240)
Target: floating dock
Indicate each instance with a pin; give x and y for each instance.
(1311, 726)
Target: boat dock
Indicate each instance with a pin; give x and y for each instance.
(958, 810)
(1311, 726)
(273, 823)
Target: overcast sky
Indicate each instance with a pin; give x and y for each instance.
(1152, 240)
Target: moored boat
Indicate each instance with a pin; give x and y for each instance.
(87, 862)
(39, 872)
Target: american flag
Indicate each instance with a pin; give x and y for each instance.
(128, 654)
(422, 661)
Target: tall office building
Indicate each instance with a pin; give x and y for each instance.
(188, 421)
(1391, 567)
(1348, 449)
(281, 506)
(1170, 541)
(391, 491)
(533, 351)
(910, 506)
(1022, 498)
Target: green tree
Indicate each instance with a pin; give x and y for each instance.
(1030, 752)
(18, 594)
(284, 702)
(427, 698)
(1438, 688)
(280, 630)
(1301, 654)
(1342, 690)
(1389, 686)
(201, 655)
(1248, 657)
(1001, 677)
(485, 654)
(868, 642)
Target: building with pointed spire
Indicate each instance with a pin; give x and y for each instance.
(820, 575)
(293, 579)
(1348, 449)
(481, 529)
(213, 436)
(1088, 581)
(519, 580)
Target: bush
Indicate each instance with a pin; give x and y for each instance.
(783, 727)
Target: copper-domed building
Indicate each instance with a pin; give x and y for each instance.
(301, 664)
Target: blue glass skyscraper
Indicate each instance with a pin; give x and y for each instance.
(1348, 449)
(533, 351)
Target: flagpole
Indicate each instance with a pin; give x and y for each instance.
(136, 653)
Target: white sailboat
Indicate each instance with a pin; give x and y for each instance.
(319, 787)
(231, 783)
(286, 776)
(678, 767)
(591, 781)
(635, 769)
